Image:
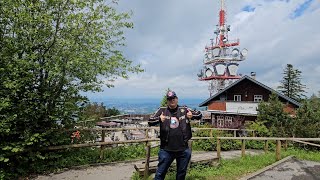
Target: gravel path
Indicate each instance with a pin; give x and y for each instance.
(121, 171)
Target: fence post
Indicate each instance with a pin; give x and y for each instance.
(190, 146)
(253, 134)
(285, 145)
(278, 149)
(211, 132)
(103, 135)
(266, 146)
(147, 136)
(146, 167)
(243, 148)
(234, 133)
(219, 148)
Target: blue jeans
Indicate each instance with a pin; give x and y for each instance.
(166, 158)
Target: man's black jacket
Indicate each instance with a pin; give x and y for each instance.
(184, 124)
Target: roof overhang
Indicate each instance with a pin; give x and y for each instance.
(231, 113)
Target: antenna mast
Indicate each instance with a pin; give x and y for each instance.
(220, 64)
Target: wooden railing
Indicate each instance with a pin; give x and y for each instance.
(128, 116)
(265, 139)
(147, 139)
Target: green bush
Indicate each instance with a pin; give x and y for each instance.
(206, 144)
(122, 153)
(53, 161)
(227, 145)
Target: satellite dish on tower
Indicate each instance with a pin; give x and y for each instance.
(209, 54)
(233, 69)
(209, 72)
(244, 52)
(235, 52)
(220, 68)
(216, 52)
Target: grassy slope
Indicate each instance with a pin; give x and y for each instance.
(236, 168)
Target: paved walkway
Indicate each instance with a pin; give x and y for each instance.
(291, 169)
(123, 171)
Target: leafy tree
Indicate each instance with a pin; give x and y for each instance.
(291, 84)
(271, 113)
(112, 112)
(94, 111)
(51, 51)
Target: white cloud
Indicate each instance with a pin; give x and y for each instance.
(169, 39)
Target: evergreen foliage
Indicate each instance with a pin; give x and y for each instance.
(307, 121)
(163, 102)
(259, 128)
(50, 52)
(272, 115)
(273, 121)
(291, 84)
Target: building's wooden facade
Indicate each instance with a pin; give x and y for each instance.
(237, 103)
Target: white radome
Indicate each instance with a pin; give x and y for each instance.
(208, 72)
(235, 52)
(244, 52)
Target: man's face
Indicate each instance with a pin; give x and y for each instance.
(172, 102)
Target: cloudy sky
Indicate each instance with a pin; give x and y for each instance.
(169, 37)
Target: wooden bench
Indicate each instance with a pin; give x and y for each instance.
(153, 163)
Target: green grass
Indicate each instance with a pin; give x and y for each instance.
(230, 169)
(235, 168)
(302, 154)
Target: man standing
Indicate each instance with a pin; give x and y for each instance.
(175, 131)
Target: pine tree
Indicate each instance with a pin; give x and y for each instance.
(164, 99)
(291, 85)
(308, 118)
(272, 115)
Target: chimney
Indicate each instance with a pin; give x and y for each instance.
(253, 75)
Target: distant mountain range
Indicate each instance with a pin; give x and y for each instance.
(143, 106)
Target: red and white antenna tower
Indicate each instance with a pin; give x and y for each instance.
(220, 64)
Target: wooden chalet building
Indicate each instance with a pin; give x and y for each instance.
(238, 102)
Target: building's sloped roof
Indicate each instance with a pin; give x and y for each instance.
(206, 102)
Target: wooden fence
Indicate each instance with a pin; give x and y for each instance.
(146, 131)
(147, 141)
(266, 139)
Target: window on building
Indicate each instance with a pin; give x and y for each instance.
(257, 98)
(220, 121)
(237, 97)
(228, 121)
